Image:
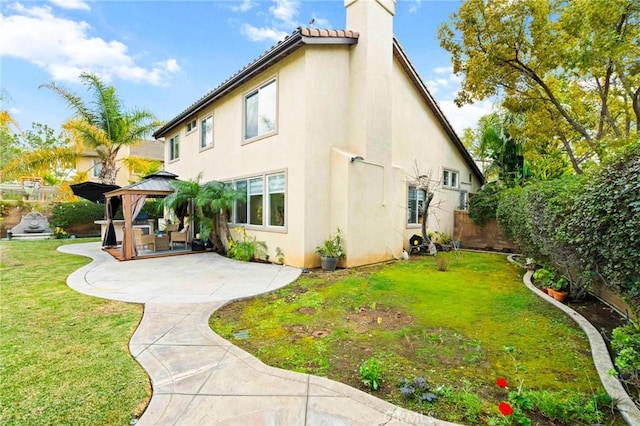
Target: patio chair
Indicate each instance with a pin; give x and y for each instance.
(143, 240)
(180, 237)
(171, 227)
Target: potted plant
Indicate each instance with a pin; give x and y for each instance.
(544, 278)
(558, 289)
(330, 251)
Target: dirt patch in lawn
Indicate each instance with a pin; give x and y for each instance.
(380, 318)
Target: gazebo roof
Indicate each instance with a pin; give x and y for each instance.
(154, 185)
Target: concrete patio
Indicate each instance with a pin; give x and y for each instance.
(197, 376)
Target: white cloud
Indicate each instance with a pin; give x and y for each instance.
(244, 6)
(443, 70)
(261, 34)
(71, 4)
(467, 116)
(279, 21)
(445, 85)
(285, 11)
(64, 48)
(415, 5)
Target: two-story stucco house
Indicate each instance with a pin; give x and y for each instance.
(323, 131)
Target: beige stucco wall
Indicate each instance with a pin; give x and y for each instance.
(84, 163)
(333, 106)
(418, 138)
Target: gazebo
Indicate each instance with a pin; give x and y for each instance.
(156, 185)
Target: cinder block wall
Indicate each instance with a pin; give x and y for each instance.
(488, 236)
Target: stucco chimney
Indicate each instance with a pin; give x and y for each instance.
(371, 65)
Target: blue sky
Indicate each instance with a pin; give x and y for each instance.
(164, 55)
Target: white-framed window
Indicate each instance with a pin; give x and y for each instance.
(415, 200)
(450, 179)
(255, 201)
(240, 208)
(191, 125)
(276, 199)
(174, 148)
(97, 167)
(257, 209)
(464, 201)
(206, 132)
(260, 111)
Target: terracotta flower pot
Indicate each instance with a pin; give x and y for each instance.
(560, 296)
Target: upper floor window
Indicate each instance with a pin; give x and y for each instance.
(206, 132)
(97, 167)
(174, 148)
(260, 111)
(191, 125)
(450, 179)
(415, 200)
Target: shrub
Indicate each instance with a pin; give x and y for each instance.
(605, 224)
(68, 214)
(247, 249)
(484, 203)
(626, 345)
(581, 226)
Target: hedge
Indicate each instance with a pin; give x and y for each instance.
(589, 224)
(79, 212)
(67, 214)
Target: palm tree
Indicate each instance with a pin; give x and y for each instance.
(505, 152)
(103, 124)
(220, 197)
(210, 203)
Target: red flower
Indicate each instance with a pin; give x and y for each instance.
(501, 382)
(505, 409)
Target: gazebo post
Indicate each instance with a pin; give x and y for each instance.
(127, 236)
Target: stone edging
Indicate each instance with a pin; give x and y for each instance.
(599, 352)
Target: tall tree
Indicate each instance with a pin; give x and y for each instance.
(572, 67)
(504, 151)
(102, 124)
(40, 153)
(9, 133)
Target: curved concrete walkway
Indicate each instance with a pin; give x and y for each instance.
(197, 376)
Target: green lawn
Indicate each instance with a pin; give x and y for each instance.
(64, 356)
(460, 329)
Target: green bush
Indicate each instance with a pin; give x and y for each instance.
(248, 249)
(626, 345)
(67, 214)
(605, 224)
(484, 203)
(581, 226)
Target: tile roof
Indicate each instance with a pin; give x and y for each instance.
(276, 53)
(315, 32)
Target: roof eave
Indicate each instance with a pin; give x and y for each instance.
(433, 105)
